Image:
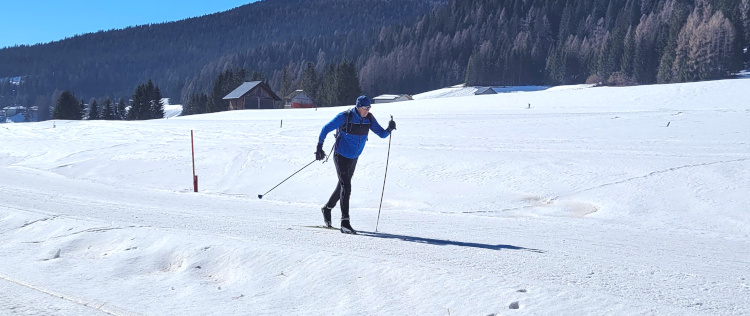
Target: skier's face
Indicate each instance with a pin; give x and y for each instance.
(363, 110)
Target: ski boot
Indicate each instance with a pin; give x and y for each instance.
(327, 216)
(346, 228)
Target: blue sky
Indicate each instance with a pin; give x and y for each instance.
(40, 21)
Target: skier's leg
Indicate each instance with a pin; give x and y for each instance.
(346, 171)
(346, 190)
(337, 192)
(334, 197)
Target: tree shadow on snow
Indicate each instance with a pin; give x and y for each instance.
(441, 242)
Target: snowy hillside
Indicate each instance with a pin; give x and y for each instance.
(462, 91)
(593, 201)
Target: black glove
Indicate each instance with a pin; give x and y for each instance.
(320, 154)
(391, 126)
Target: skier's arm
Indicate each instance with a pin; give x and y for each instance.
(377, 129)
(332, 125)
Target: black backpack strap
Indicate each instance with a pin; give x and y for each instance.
(348, 114)
(357, 129)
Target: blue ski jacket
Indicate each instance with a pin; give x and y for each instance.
(352, 130)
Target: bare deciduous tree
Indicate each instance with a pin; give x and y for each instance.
(704, 46)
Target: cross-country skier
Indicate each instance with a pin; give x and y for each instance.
(352, 127)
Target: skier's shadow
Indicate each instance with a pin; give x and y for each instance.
(441, 242)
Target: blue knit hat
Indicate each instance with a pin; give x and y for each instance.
(363, 101)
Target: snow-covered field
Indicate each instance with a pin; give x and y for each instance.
(593, 201)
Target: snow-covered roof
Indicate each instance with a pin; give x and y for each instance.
(485, 90)
(241, 90)
(246, 87)
(14, 108)
(392, 97)
(446, 93)
(386, 97)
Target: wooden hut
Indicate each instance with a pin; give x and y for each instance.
(299, 99)
(253, 95)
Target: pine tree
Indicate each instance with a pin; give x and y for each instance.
(107, 111)
(470, 76)
(196, 104)
(81, 109)
(94, 111)
(310, 81)
(239, 76)
(190, 107)
(347, 83)
(66, 107)
(157, 106)
(257, 76)
(202, 104)
(146, 103)
(327, 94)
(679, 15)
(120, 111)
(215, 102)
(139, 106)
(626, 66)
(286, 83)
(556, 67)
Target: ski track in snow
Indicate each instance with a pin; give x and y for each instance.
(17, 297)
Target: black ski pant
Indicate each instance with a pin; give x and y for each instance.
(345, 170)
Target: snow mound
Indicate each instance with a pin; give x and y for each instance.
(172, 110)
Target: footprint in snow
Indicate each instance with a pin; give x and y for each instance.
(514, 305)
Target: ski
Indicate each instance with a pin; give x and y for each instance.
(328, 228)
(321, 227)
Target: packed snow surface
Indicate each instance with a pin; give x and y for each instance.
(575, 201)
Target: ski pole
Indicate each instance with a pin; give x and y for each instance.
(260, 196)
(384, 177)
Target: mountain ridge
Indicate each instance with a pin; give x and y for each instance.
(400, 46)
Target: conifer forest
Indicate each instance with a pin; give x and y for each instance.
(336, 49)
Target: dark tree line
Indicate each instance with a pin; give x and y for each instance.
(337, 85)
(109, 64)
(486, 42)
(521, 42)
(396, 46)
(146, 104)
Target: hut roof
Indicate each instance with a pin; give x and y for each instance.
(485, 90)
(246, 87)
